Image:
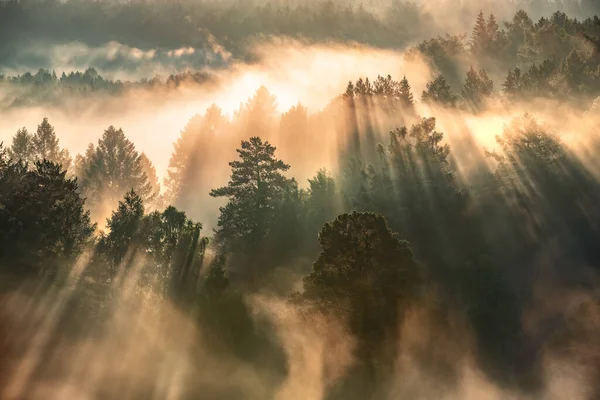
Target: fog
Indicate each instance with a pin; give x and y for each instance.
(425, 226)
(293, 72)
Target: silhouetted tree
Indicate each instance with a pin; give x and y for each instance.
(366, 276)
(480, 36)
(477, 87)
(406, 96)
(439, 92)
(256, 186)
(43, 223)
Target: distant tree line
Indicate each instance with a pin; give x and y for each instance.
(556, 57)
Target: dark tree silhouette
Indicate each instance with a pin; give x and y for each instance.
(255, 189)
(43, 223)
(439, 92)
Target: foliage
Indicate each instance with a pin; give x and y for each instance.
(255, 191)
(366, 276)
(43, 222)
(477, 87)
(190, 156)
(439, 92)
(42, 145)
(112, 168)
(167, 244)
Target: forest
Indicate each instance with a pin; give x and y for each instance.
(430, 232)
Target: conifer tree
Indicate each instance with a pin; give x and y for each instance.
(439, 92)
(492, 28)
(43, 222)
(113, 168)
(406, 96)
(256, 183)
(259, 114)
(480, 36)
(22, 146)
(124, 225)
(150, 172)
(46, 146)
(255, 192)
(477, 87)
(192, 158)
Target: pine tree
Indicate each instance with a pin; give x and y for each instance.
(46, 146)
(258, 116)
(43, 223)
(349, 93)
(493, 30)
(294, 129)
(438, 91)
(513, 83)
(384, 87)
(22, 146)
(480, 36)
(256, 183)
(150, 172)
(192, 159)
(477, 87)
(366, 276)
(406, 96)
(124, 225)
(113, 168)
(323, 202)
(255, 189)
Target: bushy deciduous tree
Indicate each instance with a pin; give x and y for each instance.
(366, 276)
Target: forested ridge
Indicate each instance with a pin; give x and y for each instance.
(410, 264)
(550, 57)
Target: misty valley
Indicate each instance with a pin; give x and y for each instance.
(299, 199)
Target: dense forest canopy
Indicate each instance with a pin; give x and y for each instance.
(429, 231)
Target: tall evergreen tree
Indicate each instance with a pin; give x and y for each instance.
(43, 223)
(477, 87)
(296, 141)
(256, 187)
(493, 30)
(193, 158)
(150, 172)
(124, 225)
(258, 116)
(439, 92)
(480, 37)
(22, 146)
(406, 96)
(513, 84)
(46, 146)
(112, 169)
